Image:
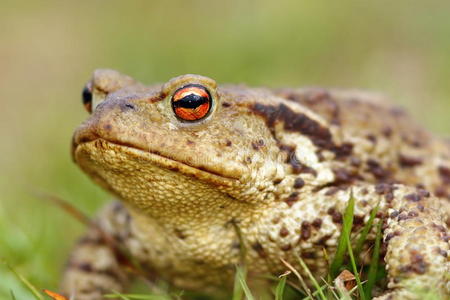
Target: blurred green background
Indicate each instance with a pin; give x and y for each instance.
(48, 50)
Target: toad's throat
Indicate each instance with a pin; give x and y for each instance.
(98, 147)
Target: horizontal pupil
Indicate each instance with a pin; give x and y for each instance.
(190, 101)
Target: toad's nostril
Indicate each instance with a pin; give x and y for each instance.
(127, 106)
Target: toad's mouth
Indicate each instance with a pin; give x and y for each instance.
(98, 152)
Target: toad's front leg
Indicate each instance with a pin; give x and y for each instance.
(95, 266)
(417, 246)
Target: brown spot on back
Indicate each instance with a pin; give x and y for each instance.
(417, 264)
(423, 193)
(317, 99)
(441, 252)
(344, 176)
(320, 156)
(377, 170)
(319, 135)
(372, 138)
(256, 145)
(331, 191)
(305, 230)
(413, 197)
(297, 166)
(286, 247)
(298, 183)
(358, 220)
(317, 223)
(444, 172)
(409, 161)
(284, 232)
(291, 199)
(391, 235)
(394, 214)
(387, 131)
(336, 216)
(277, 181)
(344, 150)
(324, 239)
(441, 192)
(385, 189)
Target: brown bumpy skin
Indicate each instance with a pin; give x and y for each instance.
(280, 165)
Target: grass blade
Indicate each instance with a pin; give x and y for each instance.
(315, 293)
(300, 278)
(116, 295)
(342, 244)
(279, 291)
(13, 297)
(373, 269)
(25, 282)
(65, 206)
(330, 291)
(135, 296)
(237, 288)
(365, 232)
(355, 269)
(242, 246)
(241, 274)
(311, 277)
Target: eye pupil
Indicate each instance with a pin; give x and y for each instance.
(191, 102)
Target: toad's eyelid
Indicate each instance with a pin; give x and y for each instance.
(189, 92)
(191, 89)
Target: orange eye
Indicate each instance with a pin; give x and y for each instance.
(191, 102)
(86, 96)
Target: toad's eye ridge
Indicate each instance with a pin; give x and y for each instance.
(191, 102)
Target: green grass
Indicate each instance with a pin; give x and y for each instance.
(279, 290)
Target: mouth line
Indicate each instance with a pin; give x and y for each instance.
(163, 161)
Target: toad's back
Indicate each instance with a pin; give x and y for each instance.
(388, 146)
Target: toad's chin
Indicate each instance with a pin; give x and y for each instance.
(100, 158)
